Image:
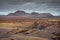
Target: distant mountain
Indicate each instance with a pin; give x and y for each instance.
(23, 15)
(17, 13)
(31, 15)
(34, 13)
(46, 15)
(57, 16)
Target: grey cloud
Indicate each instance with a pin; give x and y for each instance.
(30, 5)
(25, 1)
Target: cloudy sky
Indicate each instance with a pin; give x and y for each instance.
(40, 6)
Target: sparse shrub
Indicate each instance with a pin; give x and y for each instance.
(41, 27)
(12, 39)
(56, 36)
(36, 26)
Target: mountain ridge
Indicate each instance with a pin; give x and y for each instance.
(31, 15)
(25, 15)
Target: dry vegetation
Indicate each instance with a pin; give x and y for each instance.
(28, 22)
(28, 29)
